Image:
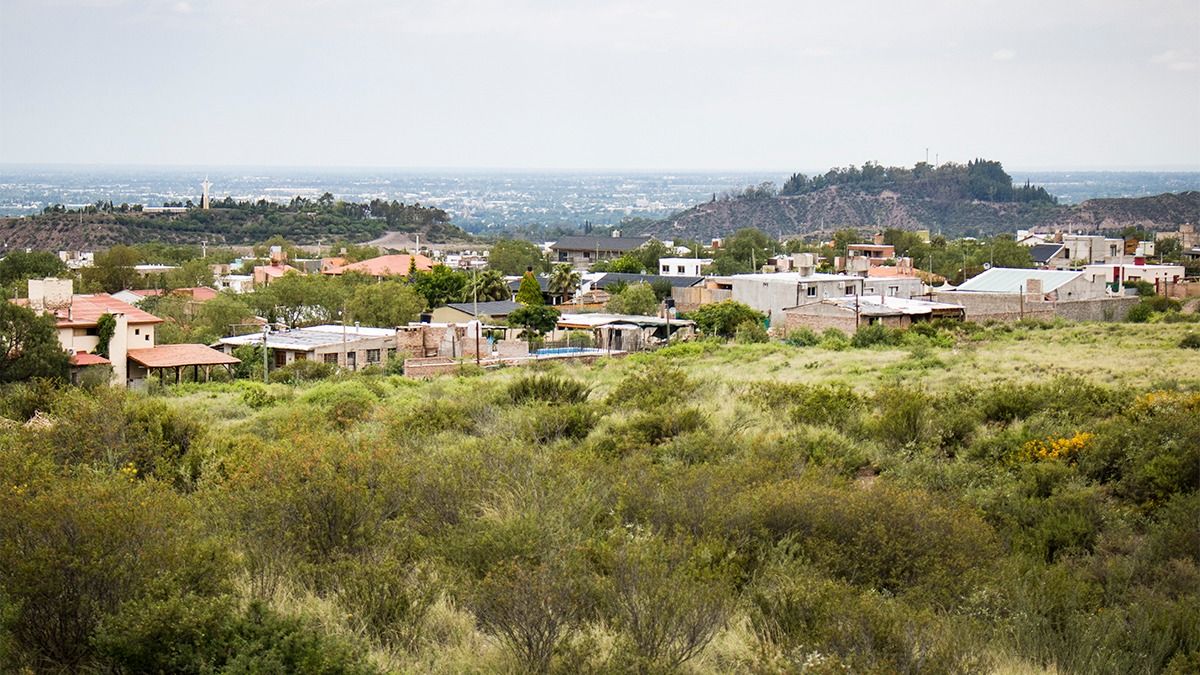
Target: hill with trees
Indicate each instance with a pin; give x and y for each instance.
(228, 222)
(975, 199)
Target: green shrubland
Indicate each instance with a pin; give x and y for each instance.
(951, 499)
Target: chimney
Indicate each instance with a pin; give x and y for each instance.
(878, 239)
(1033, 287)
(118, 350)
(50, 294)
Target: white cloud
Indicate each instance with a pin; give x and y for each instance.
(183, 7)
(1004, 55)
(1176, 59)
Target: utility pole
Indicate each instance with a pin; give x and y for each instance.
(266, 352)
(475, 301)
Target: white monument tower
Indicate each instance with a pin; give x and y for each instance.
(204, 195)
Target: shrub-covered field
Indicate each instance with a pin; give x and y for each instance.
(1004, 499)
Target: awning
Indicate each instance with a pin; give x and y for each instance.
(173, 356)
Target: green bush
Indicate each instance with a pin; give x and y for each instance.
(834, 340)
(548, 388)
(801, 337)
(305, 370)
(652, 385)
(1190, 341)
(750, 332)
(344, 403)
(799, 612)
(876, 334)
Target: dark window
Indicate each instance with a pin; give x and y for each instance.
(137, 331)
(812, 291)
(372, 356)
(351, 360)
(331, 358)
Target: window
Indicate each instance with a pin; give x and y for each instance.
(372, 356)
(300, 356)
(147, 337)
(679, 269)
(665, 269)
(351, 360)
(137, 331)
(331, 358)
(850, 290)
(812, 291)
(893, 291)
(391, 353)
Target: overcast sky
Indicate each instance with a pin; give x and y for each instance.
(680, 84)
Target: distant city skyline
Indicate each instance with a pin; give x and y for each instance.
(535, 85)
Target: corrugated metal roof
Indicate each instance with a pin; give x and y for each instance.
(1011, 280)
(489, 308)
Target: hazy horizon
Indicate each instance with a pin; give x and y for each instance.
(538, 85)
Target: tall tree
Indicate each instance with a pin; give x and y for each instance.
(530, 292)
(564, 281)
(514, 256)
(18, 266)
(113, 270)
(636, 299)
(488, 285)
(385, 304)
(29, 345)
(439, 285)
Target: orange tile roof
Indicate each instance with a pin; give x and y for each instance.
(85, 359)
(170, 356)
(275, 270)
(86, 310)
(197, 293)
(386, 265)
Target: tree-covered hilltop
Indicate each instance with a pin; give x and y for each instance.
(228, 221)
(980, 179)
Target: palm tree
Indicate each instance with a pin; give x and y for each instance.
(564, 281)
(488, 285)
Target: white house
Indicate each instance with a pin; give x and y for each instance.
(682, 267)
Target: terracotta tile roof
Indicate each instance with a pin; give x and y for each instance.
(274, 270)
(385, 265)
(85, 359)
(86, 310)
(197, 293)
(169, 356)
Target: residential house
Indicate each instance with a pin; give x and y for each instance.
(265, 274)
(132, 344)
(682, 267)
(462, 312)
(584, 251)
(772, 293)
(380, 267)
(1160, 275)
(624, 332)
(350, 347)
(848, 314)
(1008, 294)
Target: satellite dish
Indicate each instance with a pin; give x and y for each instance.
(987, 266)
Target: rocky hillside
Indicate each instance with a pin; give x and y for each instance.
(832, 208)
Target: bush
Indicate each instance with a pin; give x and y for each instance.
(667, 598)
(1190, 341)
(876, 334)
(834, 340)
(802, 337)
(799, 612)
(388, 597)
(306, 370)
(655, 384)
(344, 402)
(548, 388)
(722, 319)
(750, 332)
